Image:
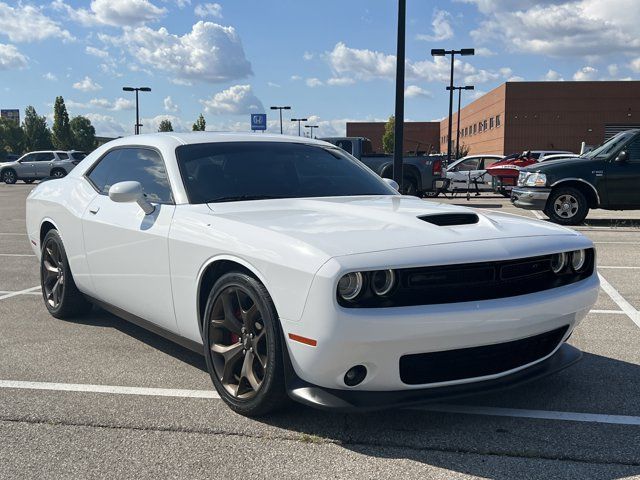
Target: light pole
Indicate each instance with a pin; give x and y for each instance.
(398, 134)
(281, 108)
(466, 87)
(299, 120)
(440, 52)
(137, 89)
(311, 127)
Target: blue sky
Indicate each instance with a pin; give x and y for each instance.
(332, 61)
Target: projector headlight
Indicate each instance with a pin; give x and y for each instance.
(350, 285)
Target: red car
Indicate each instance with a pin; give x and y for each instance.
(505, 172)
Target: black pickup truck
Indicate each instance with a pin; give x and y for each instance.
(607, 177)
(422, 174)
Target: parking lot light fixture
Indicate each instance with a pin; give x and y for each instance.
(281, 108)
(440, 52)
(311, 127)
(299, 120)
(137, 89)
(466, 87)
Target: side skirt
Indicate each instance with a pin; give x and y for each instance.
(147, 325)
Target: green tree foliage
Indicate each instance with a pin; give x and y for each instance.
(83, 134)
(388, 139)
(62, 137)
(11, 136)
(200, 124)
(165, 126)
(37, 135)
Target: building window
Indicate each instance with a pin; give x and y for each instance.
(474, 128)
(497, 121)
(491, 122)
(484, 125)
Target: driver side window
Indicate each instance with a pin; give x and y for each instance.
(633, 150)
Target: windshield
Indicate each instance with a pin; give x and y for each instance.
(611, 145)
(235, 171)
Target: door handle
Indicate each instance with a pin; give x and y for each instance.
(94, 210)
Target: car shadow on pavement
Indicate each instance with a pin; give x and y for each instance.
(478, 205)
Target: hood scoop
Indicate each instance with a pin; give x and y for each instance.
(451, 219)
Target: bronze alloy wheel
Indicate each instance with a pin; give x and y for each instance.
(238, 342)
(53, 273)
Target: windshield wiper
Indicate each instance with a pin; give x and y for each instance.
(240, 198)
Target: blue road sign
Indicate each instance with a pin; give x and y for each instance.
(258, 121)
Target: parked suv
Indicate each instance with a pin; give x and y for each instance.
(606, 177)
(38, 165)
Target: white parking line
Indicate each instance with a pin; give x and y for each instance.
(17, 234)
(538, 215)
(619, 267)
(625, 306)
(17, 255)
(211, 394)
(20, 292)
(4, 292)
(614, 312)
(618, 243)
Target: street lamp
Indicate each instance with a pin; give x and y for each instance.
(467, 87)
(311, 127)
(299, 120)
(137, 89)
(281, 108)
(441, 52)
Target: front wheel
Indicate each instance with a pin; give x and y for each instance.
(58, 173)
(243, 346)
(9, 177)
(61, 296)
(567, 206)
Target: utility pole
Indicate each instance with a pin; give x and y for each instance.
(281, 108)
(137, 89)
(299, 120)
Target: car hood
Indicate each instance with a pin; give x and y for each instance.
(552, 164)
(350, 225)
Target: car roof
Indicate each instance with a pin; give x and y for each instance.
(174, 139)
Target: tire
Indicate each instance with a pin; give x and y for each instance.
(505, 193)
(59, 292)
(9, 176)
(431, 194)
(409, 186)
(58, 173)
(28, 180)
(243, 345)
(567, 206)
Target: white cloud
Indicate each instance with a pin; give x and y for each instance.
(117, 105)
(295, 78)
(96, 52)
(119, 13)
(613, 70)
(11, 58)
(151, 124)
(208, 10)
(560, 27)
(413, 91)
(313, 82)
(307, 56)
(50, 76)
(441, 24)
(585, 74)
(87, 85)
(553, 76)
(235, 100)
(170, 106)
(107, 126)
(484, 52)
(26, 23)
(340, 81)
(210, 52)
(635, 65)
(273, 84)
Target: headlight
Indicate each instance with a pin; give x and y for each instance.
(383, 281)
(534, 180)
(558, 262)
(578, 260)
(521, 178)
(350, 285)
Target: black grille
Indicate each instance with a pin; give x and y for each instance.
(424, 368)
(471, 282)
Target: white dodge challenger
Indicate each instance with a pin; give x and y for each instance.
(298, 272)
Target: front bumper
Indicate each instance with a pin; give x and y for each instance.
(351, 400)
(530, 198)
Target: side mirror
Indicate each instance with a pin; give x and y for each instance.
(392, 183)
(129, 192)
(622, 157)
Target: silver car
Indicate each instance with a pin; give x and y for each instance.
(38, 165)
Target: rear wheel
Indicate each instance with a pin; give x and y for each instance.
(61, 296)
(409, 186)
(432, 194)
(58, 173)
(243, 346)
(567, 206)
(9, 176)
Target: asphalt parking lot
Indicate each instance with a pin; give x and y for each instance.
(97, 397)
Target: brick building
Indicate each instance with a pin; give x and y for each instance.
(418, 136)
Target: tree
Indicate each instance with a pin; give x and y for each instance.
(62, 137)
(200, 124)
(464, 150)
(388, 139)
(37, 135)
(165, 126)
(83, 134)
(11, 136)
